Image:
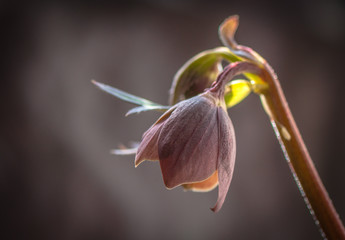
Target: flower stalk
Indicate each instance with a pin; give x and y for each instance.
(290, 139)
(299, 160)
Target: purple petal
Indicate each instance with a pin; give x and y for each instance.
(188, 142)
(148, 148)
(226, 158)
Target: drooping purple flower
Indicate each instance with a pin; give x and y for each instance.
(194, 142)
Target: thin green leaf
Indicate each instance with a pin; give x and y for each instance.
(126, 96)
(123, 150)
(147, 108)
(127, 151)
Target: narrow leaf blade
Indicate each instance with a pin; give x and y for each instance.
(147, 108)
(124, 95)
(127, 151)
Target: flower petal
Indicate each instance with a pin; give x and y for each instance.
(187, 145)
(148, 148)
(203, 186)
(226, 157)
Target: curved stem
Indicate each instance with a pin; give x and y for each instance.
(230, 71)
(300, 162)
(290, 139)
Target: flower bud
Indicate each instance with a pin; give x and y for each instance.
(199, 73)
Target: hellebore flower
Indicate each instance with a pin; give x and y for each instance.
(194, 142)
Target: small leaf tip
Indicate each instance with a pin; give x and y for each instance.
(94, 82)
(98, 84)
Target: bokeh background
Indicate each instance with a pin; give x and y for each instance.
(58, 179)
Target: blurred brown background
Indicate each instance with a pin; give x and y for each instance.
(58, 180)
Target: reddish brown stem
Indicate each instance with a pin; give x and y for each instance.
(299, 159)
(296, 153)
(232, 70)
